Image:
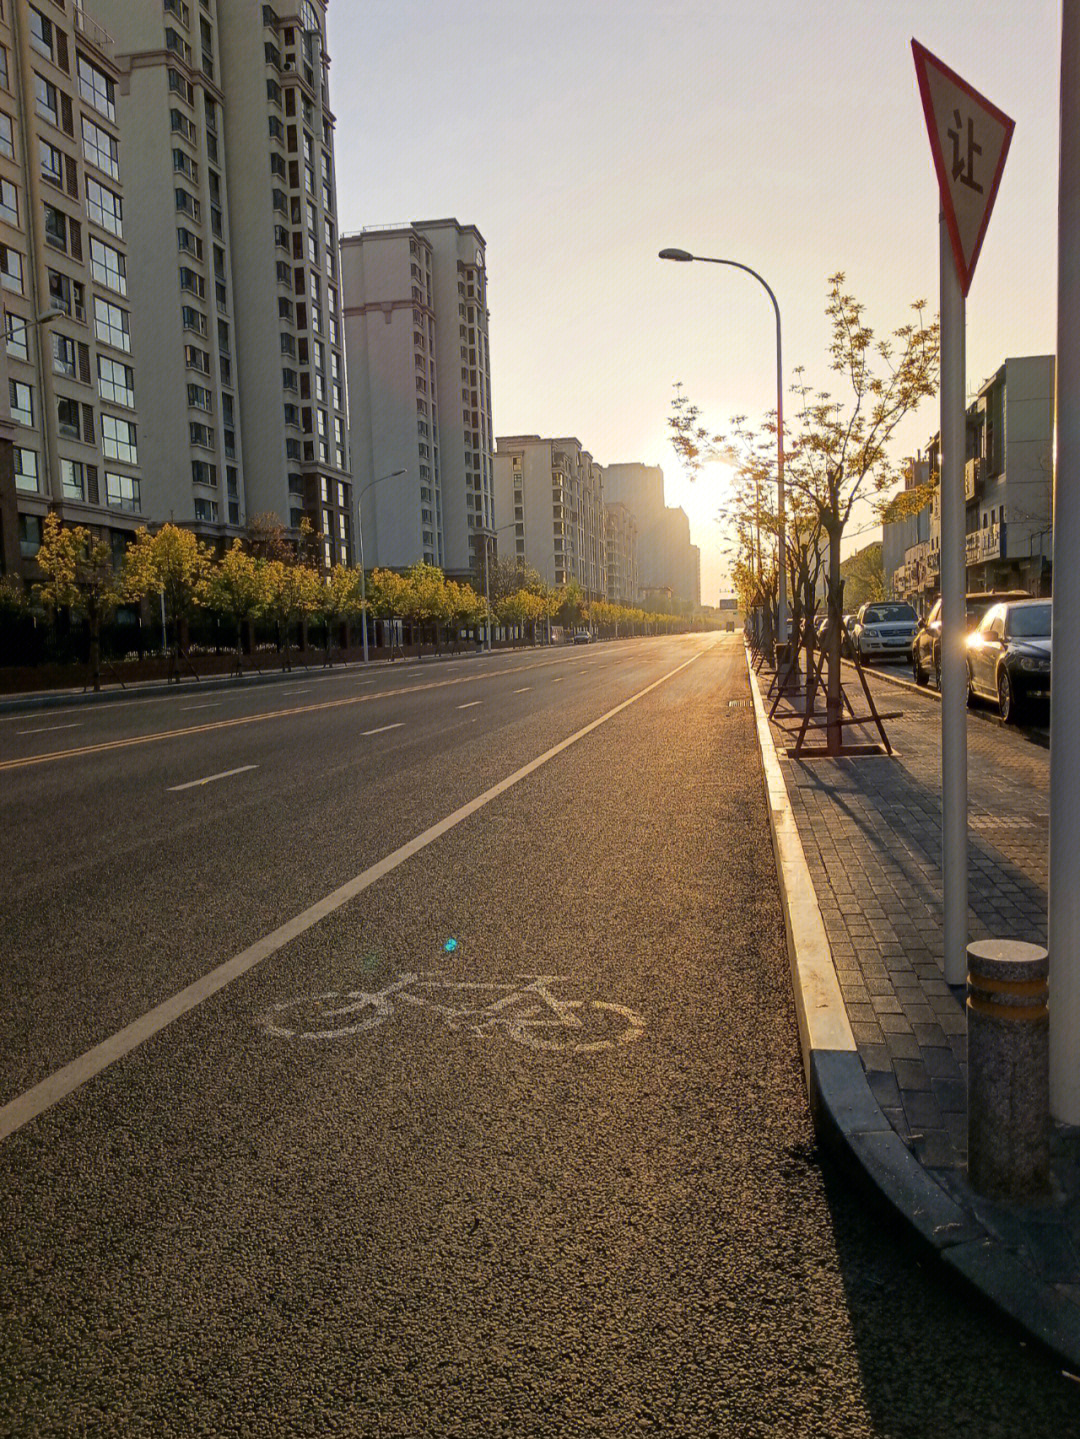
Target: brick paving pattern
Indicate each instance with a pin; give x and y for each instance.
(871, 832)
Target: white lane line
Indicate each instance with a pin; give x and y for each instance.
(210, 778)
(303, 690)
(557, 681)
(79, 1071)
(470, 704)
(210, 705)
(382, 728)
(522, 690)
(46, 728)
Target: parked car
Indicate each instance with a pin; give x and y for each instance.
(1008, 656)
(926, 647)
(582, 637)
(846, 647)
(884, 630)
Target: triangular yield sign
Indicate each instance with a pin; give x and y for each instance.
(969, 139)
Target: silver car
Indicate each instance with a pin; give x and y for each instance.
(884, 630)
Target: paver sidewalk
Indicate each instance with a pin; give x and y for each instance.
(870, 829)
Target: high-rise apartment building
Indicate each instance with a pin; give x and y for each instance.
(225, 104)
(620, 533)
(665, 554)
(64, 239)
(552, 492)
(416, 327)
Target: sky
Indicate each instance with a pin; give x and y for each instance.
(582, 138)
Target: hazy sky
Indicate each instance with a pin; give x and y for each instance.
(581, 138)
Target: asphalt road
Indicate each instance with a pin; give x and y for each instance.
(440, 1224)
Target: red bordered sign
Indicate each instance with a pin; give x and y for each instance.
(969, 139)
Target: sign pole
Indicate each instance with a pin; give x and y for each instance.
(953, 563)
(1064, 925)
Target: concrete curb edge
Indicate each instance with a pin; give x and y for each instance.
(847, 1116)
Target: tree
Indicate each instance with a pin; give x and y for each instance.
(79, 577)
(571, 606)
(838, 452)
(339, 601)
(237, 589)
(386, 596)
(864, 576)
(425, 599)
(292, 595)
(172, 563)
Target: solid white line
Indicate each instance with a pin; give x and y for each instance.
(470, 704)
(210, 705)
(210, 778)
(522, 690)
(46, 728)
(382, 728)
(77, 1072)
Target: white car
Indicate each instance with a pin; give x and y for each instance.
(884, 630)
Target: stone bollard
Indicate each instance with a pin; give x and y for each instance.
(1008, 1071)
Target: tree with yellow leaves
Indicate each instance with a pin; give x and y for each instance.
(292, 595)
(237, 589)
(172, 563)
(79, 577)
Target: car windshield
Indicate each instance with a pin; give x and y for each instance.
(1029, 622)
(888, 615)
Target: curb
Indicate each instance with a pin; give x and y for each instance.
(848, 1118)
(987, 716)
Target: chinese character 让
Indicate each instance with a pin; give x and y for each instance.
(963, 166)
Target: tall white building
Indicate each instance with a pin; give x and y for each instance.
(551, 491)
(621, 538)
(416, 333)
(78, 440)
(235, 284)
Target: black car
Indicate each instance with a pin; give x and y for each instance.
(926, 646)
(1008, 656)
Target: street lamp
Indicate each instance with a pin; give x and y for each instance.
(360, 531)
(685, 255)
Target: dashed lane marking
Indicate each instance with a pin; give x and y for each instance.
(210, 778)
(46, 728)
(382, 728)
(469, 704)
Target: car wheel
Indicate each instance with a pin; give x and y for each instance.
(922, 677)
(971, 696)
(1008, 707)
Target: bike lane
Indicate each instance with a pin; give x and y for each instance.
(422, 1229)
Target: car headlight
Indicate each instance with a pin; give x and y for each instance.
(1030, 663)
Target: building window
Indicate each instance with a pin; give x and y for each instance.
(200, 398)
(206, 510)
(193, 319)
(122, 492)
(108, 266)
(67, 417)
(73, 480)
(22, 402)
(116, 382)
(104, 207)
(187, 203)
(55, 228)
(179, 86)
(46, 100)
(96, 88)
(203, 473)
(193, 282)
(52, 163)
(9, 202)
(26, 470)
(100, 148)
(196, 359)
(118, 441)
(11, 272)
(7, 136)
(201, 435)
(4, 68)
(111, 325)
(16, 329)
(41, 33)
(175, 42)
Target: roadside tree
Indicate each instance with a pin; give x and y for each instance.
(79, 578)
(237, 589)
(171, 563)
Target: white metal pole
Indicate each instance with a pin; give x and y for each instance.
(363, 582)
(954, 799)
(1064, 889)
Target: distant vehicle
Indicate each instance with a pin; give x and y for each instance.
(846, 648)
(926, 647)
(1008, 656)
(884, 630)
(582, 637)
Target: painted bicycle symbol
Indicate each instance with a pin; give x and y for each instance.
(526, 1011)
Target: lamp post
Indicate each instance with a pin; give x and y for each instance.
(685, 255)
(360, 531)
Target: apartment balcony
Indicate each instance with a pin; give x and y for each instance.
(985, 544)
(90, 30)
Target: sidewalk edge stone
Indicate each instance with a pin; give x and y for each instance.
(846, 1114)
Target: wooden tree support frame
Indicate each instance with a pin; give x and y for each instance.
(810, 721)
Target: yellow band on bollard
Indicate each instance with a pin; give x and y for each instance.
(1021, 988)
(1006, 1011)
